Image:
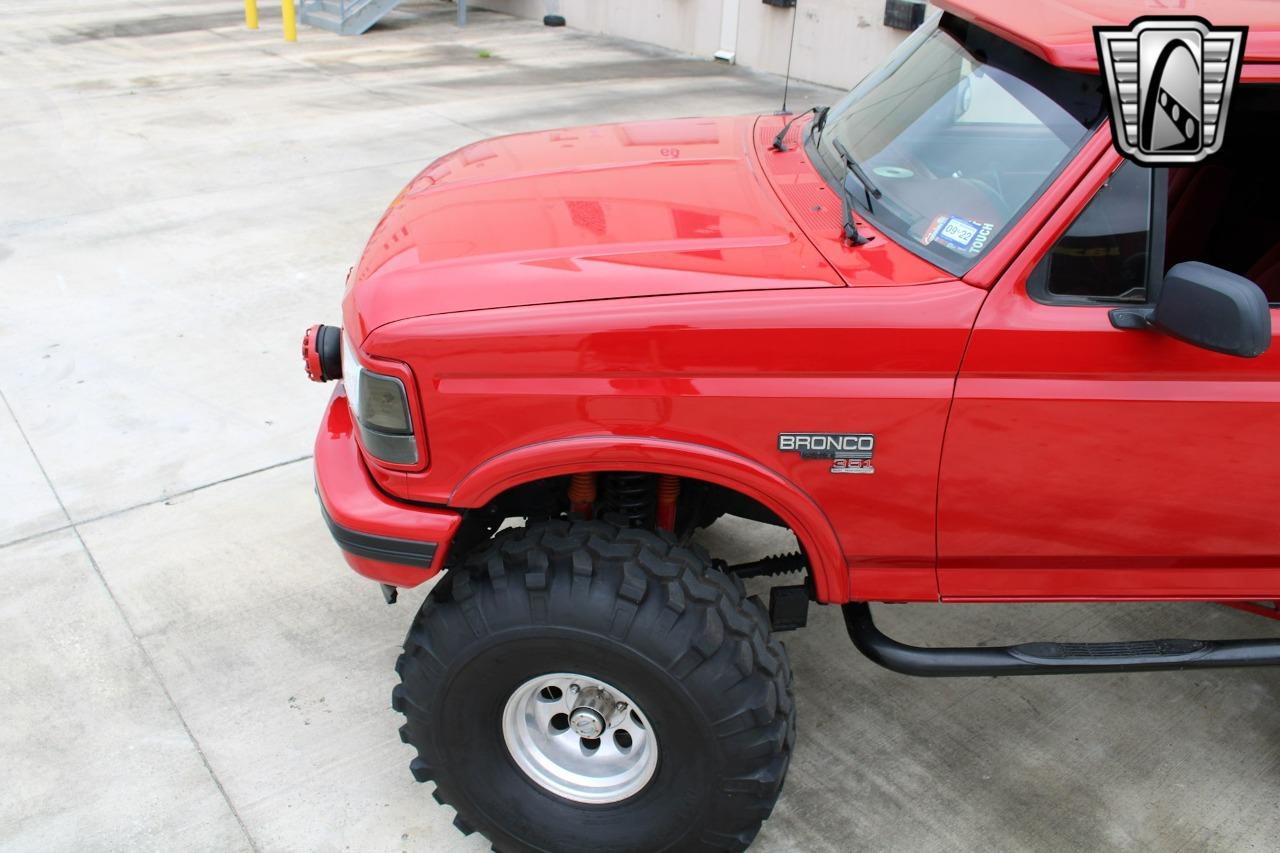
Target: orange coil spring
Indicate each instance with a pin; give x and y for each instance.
(582, 495)
(668, 491)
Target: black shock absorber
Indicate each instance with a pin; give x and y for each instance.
(632, 496)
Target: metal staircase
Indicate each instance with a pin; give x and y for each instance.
(344, 17)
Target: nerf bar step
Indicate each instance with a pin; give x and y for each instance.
(1052, 658)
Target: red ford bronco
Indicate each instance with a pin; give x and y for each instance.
(943, 331)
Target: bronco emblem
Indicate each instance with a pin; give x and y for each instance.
(850, 453)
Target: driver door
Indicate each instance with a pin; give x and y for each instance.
(1082, 461)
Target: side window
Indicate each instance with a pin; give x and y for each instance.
(1103, 256)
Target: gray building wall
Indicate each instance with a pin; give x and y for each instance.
(836, 41)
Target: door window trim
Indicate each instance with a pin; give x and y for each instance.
(1157, 215)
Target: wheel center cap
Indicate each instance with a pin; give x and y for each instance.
(586, 722)
(555, 728)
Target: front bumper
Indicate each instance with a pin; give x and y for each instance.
(384, 539)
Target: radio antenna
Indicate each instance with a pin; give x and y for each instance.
(786, 86)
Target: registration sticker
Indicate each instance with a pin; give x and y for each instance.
(932, 231)
(959, 235)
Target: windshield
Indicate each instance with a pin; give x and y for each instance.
(959, 130)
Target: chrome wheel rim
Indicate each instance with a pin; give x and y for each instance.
(579, 738)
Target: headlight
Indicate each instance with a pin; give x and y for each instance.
(381, 409)
(383, 405)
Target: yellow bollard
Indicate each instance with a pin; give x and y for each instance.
(290, 20)
(251, 14)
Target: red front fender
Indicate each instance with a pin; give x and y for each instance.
(635, 453)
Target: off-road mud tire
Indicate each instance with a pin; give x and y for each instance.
(630, 607)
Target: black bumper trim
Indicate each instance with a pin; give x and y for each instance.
(388, 549)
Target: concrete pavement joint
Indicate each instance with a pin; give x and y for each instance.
(142, 650)
(70, 525)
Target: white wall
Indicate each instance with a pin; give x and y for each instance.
(689, 26)
(836, 41)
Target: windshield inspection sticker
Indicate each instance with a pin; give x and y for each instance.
(959, 235)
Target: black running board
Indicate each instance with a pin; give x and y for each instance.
(1052, 658)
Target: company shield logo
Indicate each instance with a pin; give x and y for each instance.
(1170, 82)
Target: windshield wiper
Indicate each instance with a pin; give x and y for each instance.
(850, 228)
(779, 144)
(851, 234)
(851, 164)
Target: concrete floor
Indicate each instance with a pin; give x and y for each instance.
(188, 663)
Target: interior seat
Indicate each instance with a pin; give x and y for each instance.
(1266, 274)
(1197, 195)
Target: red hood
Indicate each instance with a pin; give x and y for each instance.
(622, 210)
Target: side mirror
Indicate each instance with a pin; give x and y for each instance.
(1206, 307)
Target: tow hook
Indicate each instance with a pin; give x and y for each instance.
(389, 593)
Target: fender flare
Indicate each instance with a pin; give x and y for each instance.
(662, 456)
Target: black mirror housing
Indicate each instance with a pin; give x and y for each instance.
(1207, 307)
